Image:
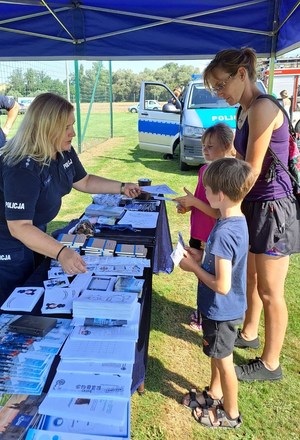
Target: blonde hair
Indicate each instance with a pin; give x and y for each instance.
(232, 176)
(224, 134)
(230, 60)
(41, 132)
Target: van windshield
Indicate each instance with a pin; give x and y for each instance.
(202, 98)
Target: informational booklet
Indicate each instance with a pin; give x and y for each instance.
(120, 268)
(60, 428)
(56, 272)
(123, 333)
(93, 385)
(59, 300)
(134, 319)
(102, 283)
(82, 280)
(23, 299)
(61, 281)
(82, 366)
(17, 414)
(18, 386)
(104, 411)
(99, 246)
(108, 304)
(131, 250)
(38, 434)
(104, 351)
(129, 284)
(124, 260)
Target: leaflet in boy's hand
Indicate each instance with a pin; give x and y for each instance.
(178, 253)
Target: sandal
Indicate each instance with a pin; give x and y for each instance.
(195, 326)
(194, 316)
(193, 399)
(223, 421)
(195, 321)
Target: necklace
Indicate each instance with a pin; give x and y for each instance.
(244, 113)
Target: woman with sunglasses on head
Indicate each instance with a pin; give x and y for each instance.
(270, 207)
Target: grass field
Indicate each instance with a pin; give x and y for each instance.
(176, 362)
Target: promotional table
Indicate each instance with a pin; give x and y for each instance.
(158, 243)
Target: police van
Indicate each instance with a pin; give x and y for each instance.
(180, 124)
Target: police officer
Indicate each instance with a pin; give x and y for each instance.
(38, 166)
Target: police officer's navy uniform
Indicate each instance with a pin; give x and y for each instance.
(29, 191)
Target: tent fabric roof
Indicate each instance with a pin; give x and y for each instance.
(145, 29)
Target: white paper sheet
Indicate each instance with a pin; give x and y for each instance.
(139, 220)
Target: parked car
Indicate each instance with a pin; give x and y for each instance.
(182, 125)
(134, 108)
(22, 109)
(150, 104)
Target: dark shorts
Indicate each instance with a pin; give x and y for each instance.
(274, 226)
(219, 337)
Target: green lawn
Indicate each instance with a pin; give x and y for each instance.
(176, 362)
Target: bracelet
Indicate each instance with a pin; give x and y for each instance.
(60, 251)
(122, 188)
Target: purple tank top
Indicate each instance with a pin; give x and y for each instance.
(278, 185)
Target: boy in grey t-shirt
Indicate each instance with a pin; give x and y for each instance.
(221, 290)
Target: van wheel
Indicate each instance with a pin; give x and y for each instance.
(183, 166)
(168, 156)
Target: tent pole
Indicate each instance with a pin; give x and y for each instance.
(110, 101)
(271, 73)
(92, 100)
(77, 97)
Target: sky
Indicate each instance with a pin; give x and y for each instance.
(59, 69)
(139, 66)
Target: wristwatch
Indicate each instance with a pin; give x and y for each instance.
(122, 188)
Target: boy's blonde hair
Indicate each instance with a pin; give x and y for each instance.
(224, 135)
(234, 177)
(41, 132)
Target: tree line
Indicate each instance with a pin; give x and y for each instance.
(96, 81)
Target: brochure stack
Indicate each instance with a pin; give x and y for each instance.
(89, 397)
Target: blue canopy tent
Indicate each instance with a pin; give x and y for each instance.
(145, 29)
